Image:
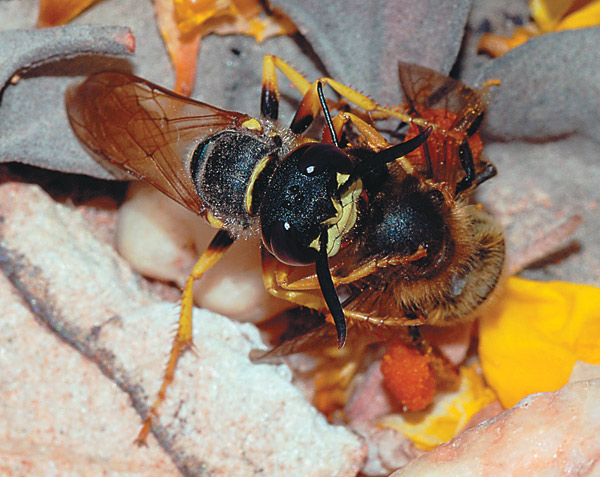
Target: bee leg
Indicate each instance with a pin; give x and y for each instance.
(183, 339)
(487, 172)
(466, 159)
(445, 372)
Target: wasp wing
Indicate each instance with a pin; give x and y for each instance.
(145, 129)
(452, 107)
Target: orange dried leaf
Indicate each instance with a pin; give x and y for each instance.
(58, 12)
(183, 49)
(497, 45)
(183, 24)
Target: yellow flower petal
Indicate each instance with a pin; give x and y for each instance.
(532, 336)
(448, 415)
(585, 17)
(547, 13)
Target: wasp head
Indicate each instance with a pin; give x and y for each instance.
(307, 204)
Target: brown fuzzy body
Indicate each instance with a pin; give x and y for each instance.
(462, 263)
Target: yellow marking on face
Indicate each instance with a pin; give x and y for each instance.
(345, 218)
(252, 124)
(213, 221)
(338, 211)
(255, 173)
(341, 178)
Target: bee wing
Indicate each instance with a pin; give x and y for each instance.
(452, 107)
(145, 130)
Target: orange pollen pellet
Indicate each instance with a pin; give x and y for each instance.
(408, 376)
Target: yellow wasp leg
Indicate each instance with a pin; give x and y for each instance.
(269, 105)
(281, 276)
(309, 107)
(183, 339)
(271, 63)
(311, 298)
(272, 271)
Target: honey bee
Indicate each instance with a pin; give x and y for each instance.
(375, 234)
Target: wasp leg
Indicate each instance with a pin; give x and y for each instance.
(183, 339)
(310, 105)
(306, 291)
(269, 103)
(273, 272)
(375, 140)
(281, 272)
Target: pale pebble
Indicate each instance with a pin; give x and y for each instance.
(173, 239)
(549, 434)
(223, 415)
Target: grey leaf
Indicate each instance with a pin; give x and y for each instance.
(549, 88)
(361, 43)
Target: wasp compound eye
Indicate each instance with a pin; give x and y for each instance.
(284, 243)
(317, 158)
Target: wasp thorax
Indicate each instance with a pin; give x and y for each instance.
(302, 201)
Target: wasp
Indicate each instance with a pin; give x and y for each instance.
(377, 236)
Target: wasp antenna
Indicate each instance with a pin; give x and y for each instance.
(329, 293)
(392, 153)
(384, 156)
(327, 114)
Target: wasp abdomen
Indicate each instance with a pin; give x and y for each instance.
(226, 169)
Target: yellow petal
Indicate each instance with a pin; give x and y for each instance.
(547, 13)
(584, 17)
(533, 335)
(448, 415)
(497, 45)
